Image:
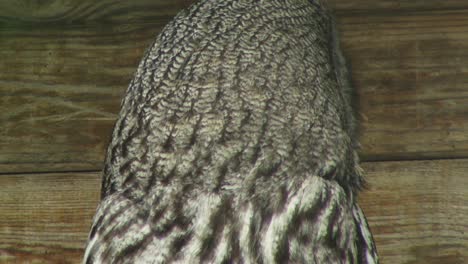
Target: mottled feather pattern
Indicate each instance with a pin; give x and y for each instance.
(236, 143)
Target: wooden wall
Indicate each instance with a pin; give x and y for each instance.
(64, 66)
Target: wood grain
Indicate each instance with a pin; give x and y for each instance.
(50, 12)
(391, 6)
(411, 71)
(60, 92)
(76, 11)
(418, 212)
(66, 64)
(45, 217)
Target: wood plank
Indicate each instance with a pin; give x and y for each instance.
(392, 6)
(45, 218)
(411, 73)
(60, 91)
(64, 70)
(418, 212)
(65, 66)
(87, 11)
(73, 11)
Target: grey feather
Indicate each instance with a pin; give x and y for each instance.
(236, 143)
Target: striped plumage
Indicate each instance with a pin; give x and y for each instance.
(236, 143)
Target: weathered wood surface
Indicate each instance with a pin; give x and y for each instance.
(66, 64)
(418, 212)
(411, 71)
(45, 217)
(72, 11)
(385, 6)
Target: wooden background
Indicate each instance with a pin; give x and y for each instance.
(65, 64)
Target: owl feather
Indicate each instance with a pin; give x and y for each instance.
(236, 143)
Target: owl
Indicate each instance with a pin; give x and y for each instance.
(236, 143)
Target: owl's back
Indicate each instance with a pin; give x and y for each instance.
(236, 144)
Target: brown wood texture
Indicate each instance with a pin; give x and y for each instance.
(417, 210)
(412, 78)
(45, 217)
(386, 6)
(66, 64)
(114, 10)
